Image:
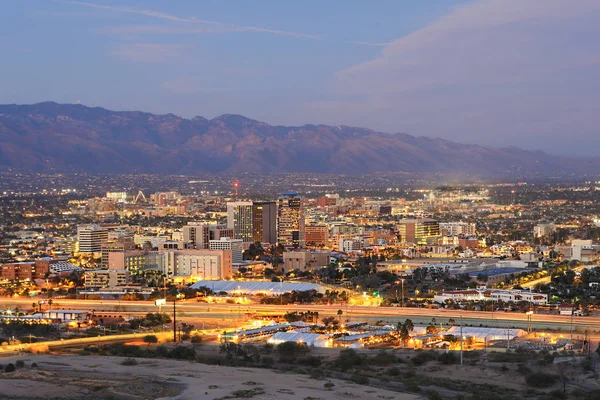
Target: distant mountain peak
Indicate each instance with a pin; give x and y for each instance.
(72, 137)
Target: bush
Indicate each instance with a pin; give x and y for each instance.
(196, 339)
(394, 371)
(541, 379)
(411, 386)
(34, 365)
(347, 359)
(433, 395)
(329, 385)
(448, 358)
(360, 379)
(20, 364)
(150, 339)
(312, 361)
(268, 361)
(316, 373)
(10, 367)
(288, 351)
(424, 356)
(383, 358)
(129, 361)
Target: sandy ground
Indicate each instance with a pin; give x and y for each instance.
(97, 377)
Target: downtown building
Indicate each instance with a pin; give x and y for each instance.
(91, 238)
(290, 220)
(264, 222)
(176, 262)
(199, 234)
(239, 218)
(419, 231)
(236, 246)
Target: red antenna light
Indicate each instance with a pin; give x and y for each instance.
(236, 184)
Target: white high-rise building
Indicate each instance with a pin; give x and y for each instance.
(239, 218)
(91, 237)
(235, 245)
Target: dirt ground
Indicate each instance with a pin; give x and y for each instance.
(99, 377)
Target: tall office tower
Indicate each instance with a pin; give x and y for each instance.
(200, 233)
(290, 220)
(418, 231)
(239, 218)
(91, 237)
(264, 222)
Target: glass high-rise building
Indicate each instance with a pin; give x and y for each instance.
(239, 218)
(264, 222)
(290, 220)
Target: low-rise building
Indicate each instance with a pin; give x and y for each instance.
(98, 279)
(305, 260)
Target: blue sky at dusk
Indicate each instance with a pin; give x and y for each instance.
(493, 72)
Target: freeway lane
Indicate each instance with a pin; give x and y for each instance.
(194, 310)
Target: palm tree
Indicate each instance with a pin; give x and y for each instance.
(34, 305)
(50, 304)
(339, 313)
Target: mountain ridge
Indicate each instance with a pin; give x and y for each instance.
(57, 137)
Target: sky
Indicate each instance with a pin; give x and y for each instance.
(522, 73)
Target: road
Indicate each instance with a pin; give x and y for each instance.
(228, 314)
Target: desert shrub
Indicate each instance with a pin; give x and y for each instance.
(311, 361)
(210, 359)
(150, 339)
(289, 351)
(10, 367)
(347, 359)
(520, 357)
(129, 361)
(394, 371)
(267, 348)
(34, 365)
(329, 385)
(196, 339)
(267, 361)
(411, 386)
(19, 363)
(541, 379)
(383, 358)
(316, 373)
(360, 379)
(448, 358)
(523, 370)
(424, 356)
(432, 395)
(182, 353)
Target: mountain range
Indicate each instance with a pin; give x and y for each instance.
(51, 137)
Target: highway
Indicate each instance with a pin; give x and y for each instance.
(230, 314)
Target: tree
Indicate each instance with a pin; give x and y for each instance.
(150, 339)
(339, 313)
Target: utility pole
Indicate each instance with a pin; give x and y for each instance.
(402, 297)
(461, 341)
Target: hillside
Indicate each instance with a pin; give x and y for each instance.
(68, 138)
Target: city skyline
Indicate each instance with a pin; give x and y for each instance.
(488, 72)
